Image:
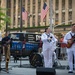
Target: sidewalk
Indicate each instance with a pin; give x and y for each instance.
(27, 70)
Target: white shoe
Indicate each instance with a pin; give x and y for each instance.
(70, 71)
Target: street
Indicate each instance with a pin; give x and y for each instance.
(24, 68)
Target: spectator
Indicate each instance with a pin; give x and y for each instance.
(63, 48)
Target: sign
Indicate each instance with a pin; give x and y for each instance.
(32, 37)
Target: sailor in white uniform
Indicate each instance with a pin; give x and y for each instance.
(48, 47)
(71, 50)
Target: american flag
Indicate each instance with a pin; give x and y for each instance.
(44, 11)
(24, 14)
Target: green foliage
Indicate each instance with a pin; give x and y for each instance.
(3, 17)
(23, 28)
(59, 26)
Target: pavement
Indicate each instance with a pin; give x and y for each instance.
(24, 68)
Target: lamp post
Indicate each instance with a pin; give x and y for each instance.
(20, 15)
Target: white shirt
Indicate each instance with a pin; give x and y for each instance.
(46, 44)
(67, 37)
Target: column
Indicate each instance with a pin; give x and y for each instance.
(16, 14)
(41, 9)
(26, 2)
(47, 16)
(66, 11)
(12, 13)
(60, 11)
(54, 11)
(36, 13)
(31, 7)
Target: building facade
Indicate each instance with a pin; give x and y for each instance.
(63, 12)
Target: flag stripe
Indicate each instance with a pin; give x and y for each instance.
(44, 11)
(24, 14)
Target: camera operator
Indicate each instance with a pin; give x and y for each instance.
(6, 47)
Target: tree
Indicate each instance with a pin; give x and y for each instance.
(3, 17)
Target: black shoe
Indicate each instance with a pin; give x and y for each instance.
(70, 72)
(7, 71)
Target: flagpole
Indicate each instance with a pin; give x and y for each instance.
(20, 15)
(51, 14)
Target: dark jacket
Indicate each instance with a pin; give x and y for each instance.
(6, 40)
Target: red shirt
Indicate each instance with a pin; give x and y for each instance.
(63, 45)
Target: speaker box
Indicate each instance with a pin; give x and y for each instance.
(45, 71)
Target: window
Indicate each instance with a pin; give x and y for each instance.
(33, 1)
(23, 2)
(70, 23)
(56, 19)
(45, 0)
(63, 4)
(28, 8)
(44, 22)
(17, 36)
(19, 21)
(33, 20)
(63, 17)
(33, 9)
(14, 21)
(28, 2)
(70, 4)
(57, 4)
(9, 8)
(70, 15)
(39, 1)
(28, 22)
(39, 8)
(38, 20)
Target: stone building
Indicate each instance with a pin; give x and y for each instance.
(63, 13)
